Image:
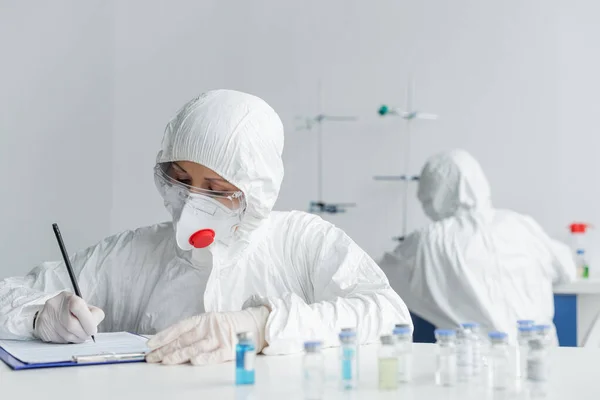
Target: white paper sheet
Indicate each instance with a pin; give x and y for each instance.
(38, 352)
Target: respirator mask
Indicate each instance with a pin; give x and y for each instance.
(200, 216)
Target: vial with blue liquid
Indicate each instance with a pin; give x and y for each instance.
(349, 359)
(245, 355)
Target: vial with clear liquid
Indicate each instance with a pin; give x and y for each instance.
(388, 364)
(537, 368)
(498, 361)
(544, 333)
(445, 374)
(245, 355)
(524, 334)
(404, 343)
(314, 371)
(348, 359)
(473, 333)
(464, 356)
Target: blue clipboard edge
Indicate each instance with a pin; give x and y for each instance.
(17, 365)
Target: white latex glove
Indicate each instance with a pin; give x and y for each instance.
(208, 338)
(67, 318)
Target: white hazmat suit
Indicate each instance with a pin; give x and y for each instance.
(311, 276)
(474, 262)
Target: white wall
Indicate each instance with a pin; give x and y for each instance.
(514, 82)
(55, 128)
(505, 77)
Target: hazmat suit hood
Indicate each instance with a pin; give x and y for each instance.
(240, 137)
(451, 183)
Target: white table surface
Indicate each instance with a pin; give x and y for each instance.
(581, 286)
(574, 375)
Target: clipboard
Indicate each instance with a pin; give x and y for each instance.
(100, 359)
(76, 361)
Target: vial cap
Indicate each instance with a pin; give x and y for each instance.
(345, 334)
(402, 326)
(580, 251)
(498, 336)
(245, 335)
(312, 346)
(387, 339)
(525, 322)
(445, 333)
(526, 328)
(402, 330)
(542, 328)
(469, 325)
(348, 330)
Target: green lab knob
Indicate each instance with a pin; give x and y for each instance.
(383, 110)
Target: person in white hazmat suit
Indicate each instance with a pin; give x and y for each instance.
(225, 264)
(475, 263)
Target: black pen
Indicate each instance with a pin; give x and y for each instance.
(63, 250)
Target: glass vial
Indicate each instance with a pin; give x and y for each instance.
(498, 361)
(388, 364)
(472, 331)
(445, 374)
(348, 359)
(314, 371)
(524, 334)
(404, 343)
(464, 355)
(537, 368)
(245, 355)
(544, 333)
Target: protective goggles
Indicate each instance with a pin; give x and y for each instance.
(178, 193)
